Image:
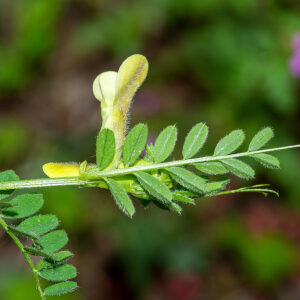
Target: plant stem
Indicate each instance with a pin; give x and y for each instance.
(249, 189)
(175, 163)
(44, 182)
(96, 175)
(25, 254)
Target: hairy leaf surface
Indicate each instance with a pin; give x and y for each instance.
(183, 198)
(154, 187)
(24, 206)
(239, 168)
(53, 241)
(187, 179)
(165, 143)
(105, 148)
(135, 143)
(39, 225)
(217, 185)
(60, 288)
(59, 273)
(121, 197)
(267, 160)
(195, 140)
(24, 233)
(57, 258)
(211, 168)
(261, 139)
(230, 142)
(38, 252)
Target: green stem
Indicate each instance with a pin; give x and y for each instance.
(25, 254)
(176, 163)
(44, 182)
(96, 175)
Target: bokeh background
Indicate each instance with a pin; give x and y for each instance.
(232, 64)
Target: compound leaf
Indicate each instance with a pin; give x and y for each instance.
(239, 168)
(195, 140)
(121, 197)
(24, 206)
(261, 139)
(165, 143)
(187, 179)
(267, 160)
(230, 142)
(154, 187)
(134, 143)
(105, 148)
(60, 288)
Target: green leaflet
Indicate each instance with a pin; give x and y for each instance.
(261, 139)
(230, 142)
(211, 168)
(38, 252)
(177, 196)
(57, 258)
(59, 273)
(53, 241)
(62, 256)
(187, 179)
(39, 225)
(105, 148)
(174, 206)
(195, 140)
(60, 288)
(267, 160)
(5, 204)
(154, 187)
(121, 197)
(165, 143)
(8, 175)
(24, 233)
(216, 185)
(24, 206)
(134, 144)
(239, 168)
(168, 206)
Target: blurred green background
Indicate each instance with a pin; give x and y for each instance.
(222, 62)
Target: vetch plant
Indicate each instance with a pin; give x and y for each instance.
(121, 168)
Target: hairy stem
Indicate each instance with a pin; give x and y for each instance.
(25, 254)
(97, 175)
(176, 163)
(44, 182)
